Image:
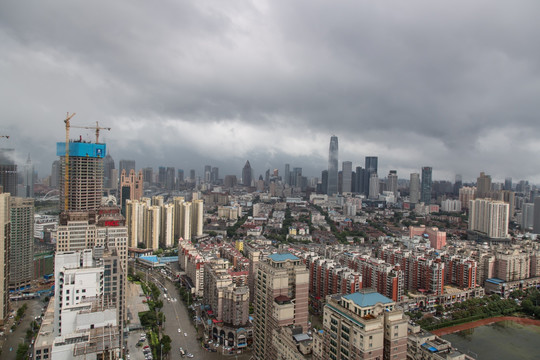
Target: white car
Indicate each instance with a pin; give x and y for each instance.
(179, 330)
(185, 334)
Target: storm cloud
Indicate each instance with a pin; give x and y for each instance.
(452, 85)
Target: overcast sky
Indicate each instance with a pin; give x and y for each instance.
(450, 84)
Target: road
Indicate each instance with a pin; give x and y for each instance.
(177, 317)
(12, 340)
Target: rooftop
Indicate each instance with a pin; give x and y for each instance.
(367, 299)
(282, 257)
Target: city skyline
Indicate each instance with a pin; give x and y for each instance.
(256, 83)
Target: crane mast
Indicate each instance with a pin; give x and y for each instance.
(66, 167)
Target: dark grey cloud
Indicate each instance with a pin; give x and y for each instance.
(453, 85)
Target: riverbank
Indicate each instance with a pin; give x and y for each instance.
(482, 322)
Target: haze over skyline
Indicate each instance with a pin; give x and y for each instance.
(451, 85)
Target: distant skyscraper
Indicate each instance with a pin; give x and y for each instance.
(414, 188)
(483, 186)
(373, 186)
(127, 165)
(170, 179)
(108, 166)
(28, 179)
(333, 166)
(207, 173)
(214, 177)
(85, 187)
(536, 220)
(391, 182)
(246, 174)
(55, 174)
(458, 184)
(21, 267)
(359, 179)
(296, 173)
(508, 183)
(347, 176)
(324, 182)
(180, 176)
(192, 175)
(148, 175)
(5, 234)
(131, 187)
(427, 183)
(287, 175)
(162, 176)
(8, 171)
(371, 167)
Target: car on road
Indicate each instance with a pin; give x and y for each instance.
(179, 330)
(189, 355)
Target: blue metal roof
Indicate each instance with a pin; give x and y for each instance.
(152, 258)
(495, 281)
(283, 257)
(368, 299)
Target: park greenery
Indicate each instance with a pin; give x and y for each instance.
(520, 303)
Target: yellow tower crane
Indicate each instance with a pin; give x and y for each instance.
(66, 171)
(66, 166)
(97, 127)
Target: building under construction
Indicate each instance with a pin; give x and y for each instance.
(85, 175)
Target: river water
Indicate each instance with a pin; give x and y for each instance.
(501, 340)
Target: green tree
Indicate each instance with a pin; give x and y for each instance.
(166, 343)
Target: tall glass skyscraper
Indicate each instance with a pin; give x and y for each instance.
(333, 166)
(370, 168)
(425, 195)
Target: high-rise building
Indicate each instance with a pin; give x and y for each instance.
(21, 267)
(55, 174)
(180, 176)
(207, 173)
(214, 177)
(489, 217)
(324, 182)
(373, 186)
(508, 183)
(167, 225)
(371, 167)
(458, 184)
(8, 171)
(364, 325)
(134, 222)
(391, 182)
(359, 180)
(131, 187)
(192, 175)
(170, 178)
(347, 177)
(414, 188)
(536, 221)
(246, 174)
(5, 233)
(483, 186)
(527, 216)
(28, 179)
(333, 153)
(108, 167)
(287, 175)
(148, 175)
(281, 299)
(162, 176)
(127, 165)
(427, 183)
(85, 187)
